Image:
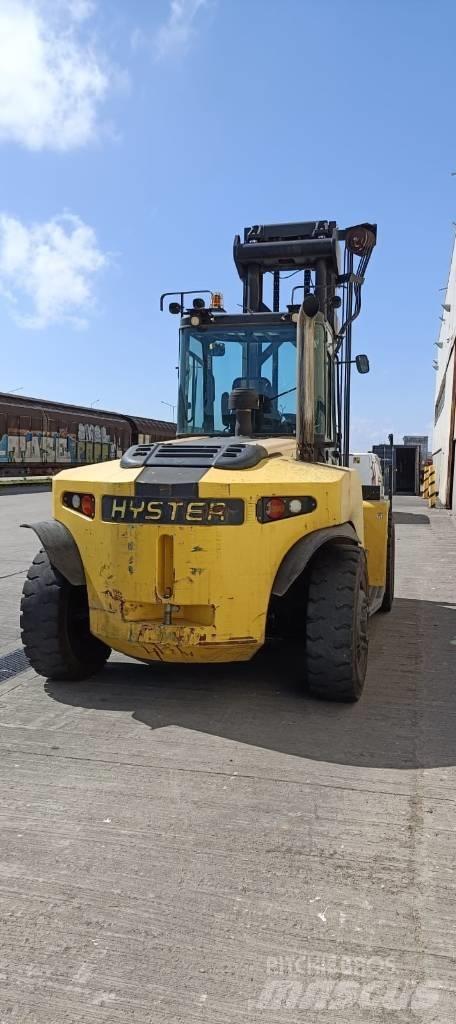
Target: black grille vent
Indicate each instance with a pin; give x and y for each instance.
(142, 449)
(222, 454)
(233, 451)
(136, 455)
(187, 451)
(199, 456)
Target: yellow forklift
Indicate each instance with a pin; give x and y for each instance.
(250, 524)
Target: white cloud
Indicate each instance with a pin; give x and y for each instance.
(176, 33)
(47, 270)
(51, 82)
(79, 9)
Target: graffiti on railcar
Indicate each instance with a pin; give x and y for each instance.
(88, 442)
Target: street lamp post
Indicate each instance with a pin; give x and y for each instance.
(170, 406)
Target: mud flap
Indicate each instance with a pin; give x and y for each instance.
(60, 548)
(300, 554)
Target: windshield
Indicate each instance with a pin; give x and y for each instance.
(214, 360)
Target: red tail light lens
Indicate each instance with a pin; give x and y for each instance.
(275, 508)
(88, 505)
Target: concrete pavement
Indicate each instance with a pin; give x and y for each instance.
(17, 549)
(211, 845)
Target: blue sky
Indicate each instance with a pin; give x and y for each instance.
(138, 137)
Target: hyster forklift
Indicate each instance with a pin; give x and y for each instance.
(250, 524)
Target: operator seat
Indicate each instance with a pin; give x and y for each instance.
(261, 385)
(266, 415)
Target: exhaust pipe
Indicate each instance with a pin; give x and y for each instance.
(305, 374)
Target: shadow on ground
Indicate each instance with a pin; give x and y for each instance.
(411, 519)
(405, 719)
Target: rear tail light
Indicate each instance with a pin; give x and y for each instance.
(83, 503)
(271, 509)
(88, 505)
(275, 508)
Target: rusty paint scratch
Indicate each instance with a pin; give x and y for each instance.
(117, 598)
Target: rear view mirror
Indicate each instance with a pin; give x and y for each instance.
(217, 348)
(362, 364)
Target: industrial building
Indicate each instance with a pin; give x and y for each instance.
(405, 461)
(444, 435)
(412, 440)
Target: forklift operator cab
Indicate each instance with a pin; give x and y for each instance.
(216, 361)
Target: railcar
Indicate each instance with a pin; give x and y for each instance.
(40, 436)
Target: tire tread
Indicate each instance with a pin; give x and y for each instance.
(335, 577)
(46, 642)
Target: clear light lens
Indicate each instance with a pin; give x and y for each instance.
(194, 320)
(76, 500)
(275, 508)
(295, 506)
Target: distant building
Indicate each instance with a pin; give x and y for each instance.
(403, 463)
(444, 435)
(411, 440)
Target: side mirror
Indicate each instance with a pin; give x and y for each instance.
(362, 364)
(175, 307)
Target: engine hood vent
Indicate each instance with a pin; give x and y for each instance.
(136, 455)
(219, 453)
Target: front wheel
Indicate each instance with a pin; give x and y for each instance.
(337, 624)
(55, 626)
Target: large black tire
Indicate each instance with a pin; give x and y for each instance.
(388, 596)
(336, 629)
(55, 625)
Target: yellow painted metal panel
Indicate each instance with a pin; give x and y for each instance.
(101, 473)
(376, 540)
(222, 576)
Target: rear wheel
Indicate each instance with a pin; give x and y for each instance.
(388, 597)
(337, 624)
(55, 625)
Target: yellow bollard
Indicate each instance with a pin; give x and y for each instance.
(432, 493)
